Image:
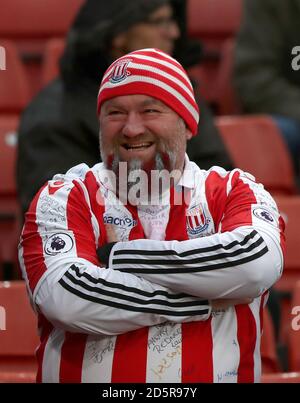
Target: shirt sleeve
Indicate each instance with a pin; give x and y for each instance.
(242, 260)
(59, 261)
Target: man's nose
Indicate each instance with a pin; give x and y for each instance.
(133, 126)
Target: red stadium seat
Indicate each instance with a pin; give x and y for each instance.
(284, 377)
(204, 76)
(225, 96)
(53, 51)
(213, 21)
(256, 146)
(29, 19)
(18, 337)
(9, 209)
(18, 377)
(8, 146)
(270, 362)
(289, 208)
(30, 24)
(14, 93)
(294, 331)
(213, 78)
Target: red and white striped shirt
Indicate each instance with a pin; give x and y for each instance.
(147, 316)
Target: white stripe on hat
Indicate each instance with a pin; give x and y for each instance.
(157, 61)
(164, 74)
(155, 82)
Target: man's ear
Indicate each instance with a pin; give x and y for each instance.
(188, 133)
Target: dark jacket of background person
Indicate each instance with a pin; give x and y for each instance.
(59, 129)
(264, 77)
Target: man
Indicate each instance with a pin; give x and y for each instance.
(59, 129)
(179, 297)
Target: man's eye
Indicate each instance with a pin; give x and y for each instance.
(114, 112)
(150, 110)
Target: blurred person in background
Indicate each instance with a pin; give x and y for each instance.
(267, 76)
(59, 129)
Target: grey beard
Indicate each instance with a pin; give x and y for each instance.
(137, 165)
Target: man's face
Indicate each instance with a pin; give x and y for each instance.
(142, 131)
(159, 31)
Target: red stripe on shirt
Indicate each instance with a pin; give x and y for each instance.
(71, 361)
(176, 228)
(263, 301)
(130, 357)
(79, 221)
(197, 344)
(246, 334)
(238, 205)
(97, 204)
(46, 329)
(137, 231)
(282, 236)
(215, 191)
(197, 352)
(32, 245)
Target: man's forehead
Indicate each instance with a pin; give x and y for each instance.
(136, 99)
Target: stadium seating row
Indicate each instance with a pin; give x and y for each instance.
(18, 334)
(37, 31)
(9, 210)
(213, 79)
(48, 18)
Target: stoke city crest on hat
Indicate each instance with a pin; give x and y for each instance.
(120, 71)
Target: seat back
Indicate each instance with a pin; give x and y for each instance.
(53, 51)
(283, 377)
(30, 23)
(18, 337)
(294, 333)
(225, 95)
(289, 207)
(213, 21)
(30, 19)
(8, 148)
(270, 362)
(9, 206)
(256, 146)
(14, 93)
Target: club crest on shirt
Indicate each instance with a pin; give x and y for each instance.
(58, 243)
(198, 221)
(120, 71)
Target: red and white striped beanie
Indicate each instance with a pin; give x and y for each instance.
(154, 73)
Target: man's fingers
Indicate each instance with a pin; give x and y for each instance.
(111, 233)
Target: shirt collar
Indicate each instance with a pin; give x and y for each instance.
(191, 174)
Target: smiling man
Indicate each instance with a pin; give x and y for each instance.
(169, 292)
(59, 129)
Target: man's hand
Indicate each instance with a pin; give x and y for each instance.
(111, 233)
(104, 252)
